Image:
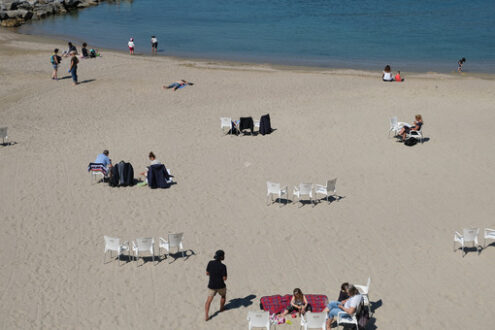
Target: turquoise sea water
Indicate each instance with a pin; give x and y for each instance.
(414, 35)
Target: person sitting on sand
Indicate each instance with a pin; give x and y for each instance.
(84, 50)
(72, 48)
(153, 161)
(298, 303)
(387, 74)
(347, 306)
(178, 84)
(406, 128)
(398, 77)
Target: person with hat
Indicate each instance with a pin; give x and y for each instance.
(217, 272)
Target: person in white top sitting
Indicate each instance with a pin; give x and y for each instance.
(387, 74)
(348, 306)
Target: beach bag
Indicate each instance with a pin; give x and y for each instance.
(52, 59)
(363, 317)
(410, 142)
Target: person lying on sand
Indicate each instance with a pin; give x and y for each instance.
(178, 84)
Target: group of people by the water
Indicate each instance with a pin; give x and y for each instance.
(154, 45)
(347, 303)
(74, 55)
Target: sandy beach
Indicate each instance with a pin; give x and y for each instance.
(395, 222)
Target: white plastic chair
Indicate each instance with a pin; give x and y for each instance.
(328, 190)
(275, 189)
(343, 319)
(314, 321)
(142, 245)
(468, 235)
(113, 244)
(488, 234)
(95, 175)
(304, 189)
(258, 320)
(394, 126)
(418, 135)
(226, 122)
(174, 241)
(3, 134)
(364, 291)
(257, 124)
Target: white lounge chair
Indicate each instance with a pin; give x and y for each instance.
(142, 245)
(328, 190)
(258, 320)
(113, 244)
(304, 189)
(314, 321)
(174, 241)
(394, 126)
(343, 318)
(3, 135)
(275, 189)
(468, 235)
(226, 122)
(364, 291)
(488, 234)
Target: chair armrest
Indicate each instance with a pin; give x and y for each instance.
(361, 288)
(489, 232)
(320, 186)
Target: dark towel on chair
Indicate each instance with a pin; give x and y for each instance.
(246, 123)
(158, 176)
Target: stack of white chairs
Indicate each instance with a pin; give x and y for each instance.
(303, 189)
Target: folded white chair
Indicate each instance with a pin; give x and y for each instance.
(174, 241)
(3, 134)
(328, 190)
(304, 189)
(488, 234)
(314, 321)
(364, 291)
(468, 235)
(226, 122)
(258, 320)
(113, 244)
(275, 189)
(141, 245)
(394, 126)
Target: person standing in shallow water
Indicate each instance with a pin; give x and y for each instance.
(154, 45)
(73, 67)
(217, 272)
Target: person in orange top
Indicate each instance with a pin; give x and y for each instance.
(398, 77)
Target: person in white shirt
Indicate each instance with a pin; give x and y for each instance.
(387, 74)
(131, 46)
(154, 45)
(348, 306)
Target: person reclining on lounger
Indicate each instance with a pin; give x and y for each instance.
(348, 306)
(406, 129)
(178, 84)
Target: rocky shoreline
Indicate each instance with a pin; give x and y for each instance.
(17, 12)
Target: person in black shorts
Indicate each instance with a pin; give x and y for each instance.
(217, 272)
(154, 45)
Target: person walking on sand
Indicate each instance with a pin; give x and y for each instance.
(217, 272)
(73, 67)
(55, 60)
(131, 46)
(154, 45)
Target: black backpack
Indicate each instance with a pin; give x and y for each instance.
(363, 317)
(114, 177)
(410, 142)
(128, 175)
